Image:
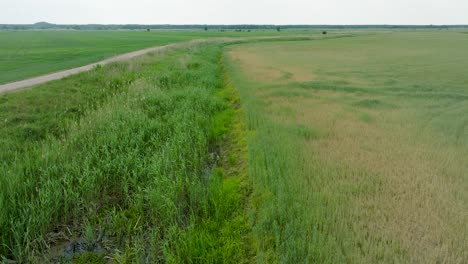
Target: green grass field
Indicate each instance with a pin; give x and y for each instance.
(125, 161)
(348, 149)
(26, 54)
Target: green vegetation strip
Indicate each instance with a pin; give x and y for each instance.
(142, 161)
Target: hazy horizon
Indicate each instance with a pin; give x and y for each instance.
(182, 24)
(229, 12)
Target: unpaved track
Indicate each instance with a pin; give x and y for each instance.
(62, 74)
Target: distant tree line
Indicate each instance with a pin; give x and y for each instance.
(45, 25)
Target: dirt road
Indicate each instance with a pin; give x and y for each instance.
(62, 74)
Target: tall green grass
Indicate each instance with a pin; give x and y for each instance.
(137, 175)
(29, 117)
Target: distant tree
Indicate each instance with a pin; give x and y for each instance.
(148, 29)
(278, 29)
(324, 33)
(206, 28)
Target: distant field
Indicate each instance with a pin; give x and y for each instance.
(359, 147)
(26, 54)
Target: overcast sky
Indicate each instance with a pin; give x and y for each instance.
(235, 11)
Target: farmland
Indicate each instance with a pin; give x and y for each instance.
(120, 158)
(26, 54)
(344, 148)
(358, 147)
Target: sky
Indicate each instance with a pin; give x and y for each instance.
(398, 12)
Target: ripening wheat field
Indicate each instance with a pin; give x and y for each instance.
(359, 146)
